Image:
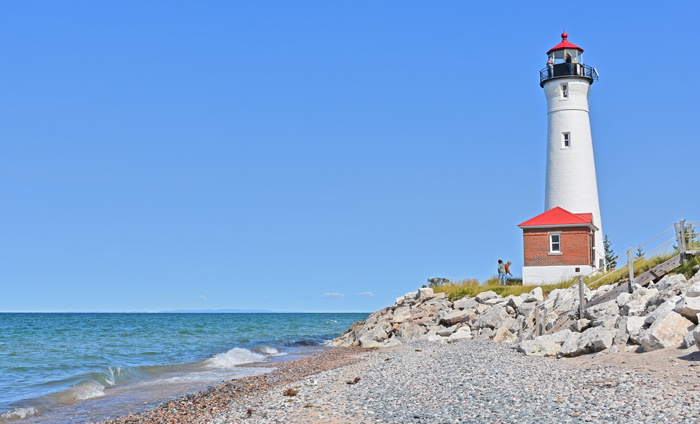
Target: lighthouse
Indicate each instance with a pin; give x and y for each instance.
(567, 238)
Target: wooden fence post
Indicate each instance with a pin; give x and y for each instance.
(683, 247)
(630, 263)
(581, 297)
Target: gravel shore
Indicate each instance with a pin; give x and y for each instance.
(465, 382)
(202, 406)
(475, 382)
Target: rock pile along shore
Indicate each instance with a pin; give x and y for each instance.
(658, 316)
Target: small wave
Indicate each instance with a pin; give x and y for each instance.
(332, 322)
(18, 414)
(266, 349)
(233, 357)
(88, 390)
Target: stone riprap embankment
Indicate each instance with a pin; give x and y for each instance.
(474, 382)
(661, 315)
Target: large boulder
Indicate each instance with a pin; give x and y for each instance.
(493, 318)
(666, 331)
(462, 333)
(669, 281)
(465, 303)
(535, 295)
(694, 290)
(484, 296)
(539, 348)
(689, 307)
(598, 311)
(558, 337)
(696, 335)
(515, 301)
(688, 340)
(662, 309)
(637, 302)
(425, 292)
(591, 340)
(504, 333)
(454, 317)
(634, 326)
(368, 343)
(377, 334)
(526, 308)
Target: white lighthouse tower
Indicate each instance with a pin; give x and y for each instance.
(567, 238)
(571, 179)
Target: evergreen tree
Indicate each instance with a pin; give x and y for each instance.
(609, 253)
(639, 252)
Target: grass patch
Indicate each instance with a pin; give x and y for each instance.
(471, 286)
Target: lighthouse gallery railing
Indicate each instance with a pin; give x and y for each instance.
(568, 69)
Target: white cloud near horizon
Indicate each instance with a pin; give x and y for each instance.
(365, 294)
(332, 295)
(202, 297)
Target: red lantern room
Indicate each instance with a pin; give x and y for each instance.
(566, 60)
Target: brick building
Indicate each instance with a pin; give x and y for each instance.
(557, 245)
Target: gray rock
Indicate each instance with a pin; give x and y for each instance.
(377, 334)
(462, 333)
(559, 337)
(694, 290)
(539, 348)
(446, 332)
(465, 303)
(599, 311)
(622, 298)
(662, 309)
(633, 327)
(666, 331)
(670, 281)
(581, 325)
(485, 334)
(696, 335)
(526, 308)
(368, 343)
(688, 340)
(391, 342)
(607, 321)
(453, 317)
(424, 293)
(515, 301)
(484, 296)
(689, 307)
(591, 340)
(493, 318)
(637, 302)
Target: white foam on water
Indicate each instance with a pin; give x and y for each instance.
(18, 413)
(267, 350)
(233, 357)
(88, 390)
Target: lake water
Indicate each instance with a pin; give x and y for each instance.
(86, 367)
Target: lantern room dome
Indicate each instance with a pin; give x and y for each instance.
(564, 45)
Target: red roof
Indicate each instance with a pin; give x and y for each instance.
(564, 44)
(558, 217)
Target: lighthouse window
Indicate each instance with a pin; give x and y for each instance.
(566, 140)
(565, 91)
(555, 243)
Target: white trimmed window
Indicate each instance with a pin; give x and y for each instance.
(555, 243)
(565, 90)
(565, 140)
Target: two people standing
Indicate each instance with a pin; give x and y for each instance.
(503, 272)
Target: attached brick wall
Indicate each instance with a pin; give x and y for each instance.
(575, 246)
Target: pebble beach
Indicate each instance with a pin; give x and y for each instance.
(470, 381)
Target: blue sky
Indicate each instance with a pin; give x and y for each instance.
(300, 156)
